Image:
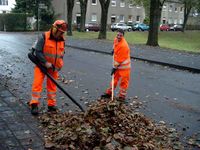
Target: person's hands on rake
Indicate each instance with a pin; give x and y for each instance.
(113, 71)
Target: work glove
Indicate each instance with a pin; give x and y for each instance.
(112, 52)
(48, 65)
(113, 71)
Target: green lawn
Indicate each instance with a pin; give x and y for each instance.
(188, 41)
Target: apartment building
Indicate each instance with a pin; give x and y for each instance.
(6, 5)
(120, 11)
(172, 13)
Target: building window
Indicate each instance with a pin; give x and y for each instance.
(3, 2)
(175, 21)
(175, 9)
(181, 9)
(130, 5)
(138, 6)
(113, 3)
(181, 21)
(137, 18)
(94, 17)
(130, 18)
(77, 2)
(122, 3)
(170, 7)
(121, 18)
(113, 18)
(170, 21)
(164, 8)
(94, 2)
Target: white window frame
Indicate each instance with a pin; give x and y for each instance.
(170, 8)
(176, 9)
(4, 2)
(94, 3)
(121, 18)
(131, 18)
(138, 7)
(113, 3)
(181, 9)
(130, 5)
(137, 18)
(122, 3)
(181, 21)
(94, 17)
(164, 7)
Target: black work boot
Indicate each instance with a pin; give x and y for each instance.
(105, 96)
(52, 109)
(34, 109)
(122, 100)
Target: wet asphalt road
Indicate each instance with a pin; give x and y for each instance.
(166, 94)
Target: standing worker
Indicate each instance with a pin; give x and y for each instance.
(49, 49)
(121, 67)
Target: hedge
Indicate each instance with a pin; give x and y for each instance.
(13, 22)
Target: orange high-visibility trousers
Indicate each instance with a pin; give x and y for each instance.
(124, 75)
(37, 87)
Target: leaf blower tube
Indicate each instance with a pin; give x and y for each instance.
(35, 60)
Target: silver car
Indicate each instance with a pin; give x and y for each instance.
(120, 25)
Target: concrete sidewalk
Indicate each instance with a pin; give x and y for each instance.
(157, 55)
(18, 128)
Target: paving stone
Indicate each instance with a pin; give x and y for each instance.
(11, 100)
(31, 142)
(24, 134)
(5, 93)
(11, 142)
(18, 126)
(6, 133)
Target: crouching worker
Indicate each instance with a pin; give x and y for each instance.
(122, 67)
(49, 49)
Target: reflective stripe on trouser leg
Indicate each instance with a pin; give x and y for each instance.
(37, 85)
(125, 77)
(51, 88)
(116, 79)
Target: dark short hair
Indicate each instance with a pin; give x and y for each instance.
(121, 31)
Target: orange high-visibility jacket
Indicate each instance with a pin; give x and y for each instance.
(121, 54)
(53, 51)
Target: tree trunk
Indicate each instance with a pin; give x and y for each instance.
(104, 16)
(83, 7)
(187, 10)
(155, 15)
(70, 5)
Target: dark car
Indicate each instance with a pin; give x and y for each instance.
(164, 27)
(140, 27)
(176, 27)
(92, 27)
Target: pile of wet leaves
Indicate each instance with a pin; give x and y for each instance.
(106, 126)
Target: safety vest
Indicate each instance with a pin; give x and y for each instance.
(53, 51)
(121, 54)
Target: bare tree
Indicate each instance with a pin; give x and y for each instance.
(70, 6)
(155, 16)
(83, 8)
(104, 15)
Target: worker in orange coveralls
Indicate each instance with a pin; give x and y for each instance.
(49, 49)
(122, 67)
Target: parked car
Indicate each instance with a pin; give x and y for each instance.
(92, 27)
(176, 27)
(164, 27)
(140, 27)
(123, 26)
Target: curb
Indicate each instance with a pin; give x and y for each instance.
(190, 69)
